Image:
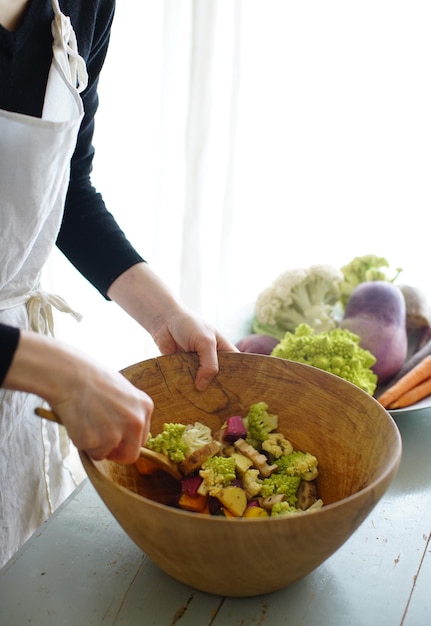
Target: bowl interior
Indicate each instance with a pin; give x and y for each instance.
(352, 436)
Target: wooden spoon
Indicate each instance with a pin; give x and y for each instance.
(162, 461)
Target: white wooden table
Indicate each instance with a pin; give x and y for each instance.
(81, 569)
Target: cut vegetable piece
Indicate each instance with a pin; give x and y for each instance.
(145, 466)
(234, 499)
(194, 461)
(235, 429)
(307, 494)
(193, 503)
(255, 511)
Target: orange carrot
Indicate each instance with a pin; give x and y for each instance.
(145, 466)
(414, 395)
(195, 503)
(409, 381)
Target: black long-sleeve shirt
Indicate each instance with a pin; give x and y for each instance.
(89, 236)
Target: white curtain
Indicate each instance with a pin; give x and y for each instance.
(237, 138)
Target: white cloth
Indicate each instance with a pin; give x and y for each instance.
(34, 174)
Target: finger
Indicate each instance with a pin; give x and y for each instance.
(207, 369)
(126, 452)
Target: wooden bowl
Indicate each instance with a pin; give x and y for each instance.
(355, 440)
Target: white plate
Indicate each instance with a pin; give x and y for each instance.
(418, 406)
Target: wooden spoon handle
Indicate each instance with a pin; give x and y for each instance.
(161, 460)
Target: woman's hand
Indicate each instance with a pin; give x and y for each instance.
(174, 329)
(104, 414)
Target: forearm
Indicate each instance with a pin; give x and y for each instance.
(41, 366)
(103, 412)
(143, 295)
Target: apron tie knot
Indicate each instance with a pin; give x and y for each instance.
(39, 309)
(65, 39)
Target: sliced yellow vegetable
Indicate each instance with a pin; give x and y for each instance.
(234, 499)
(255, 511)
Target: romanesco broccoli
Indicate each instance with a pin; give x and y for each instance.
(280, 483)
(362, 269)
(300, 464)
(283, 508)
(259, 423)
(336, 351)
(170, 442)
(217, 472)
(178, 441)
(299, 296)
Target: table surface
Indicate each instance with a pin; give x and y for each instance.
(81, 568)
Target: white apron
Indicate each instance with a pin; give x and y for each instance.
(34, 175)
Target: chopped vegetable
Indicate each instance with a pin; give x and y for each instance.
(255, 511)
(177, 441)
(235, 429)
(194, 461)
(259, 423)
(234, 499)
(336, 351)
(411, 388)
(259, 460)
(252, 483)
(280, 483)
(196, 435)
(237, 479)
(190, 485)
(242, 462)
(276, 445)
(283, 508)
(196, 503)
(307, 494)
(170, 442)
(298, 463)
(217, 472)
(302, 295)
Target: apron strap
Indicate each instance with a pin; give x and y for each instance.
(65, 38)
(39, 309)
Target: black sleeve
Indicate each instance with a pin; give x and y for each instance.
(9, 338)
(89, 236)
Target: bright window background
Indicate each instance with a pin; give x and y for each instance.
(311, 140)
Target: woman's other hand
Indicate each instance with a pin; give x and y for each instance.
(173, 328)
(104, 414)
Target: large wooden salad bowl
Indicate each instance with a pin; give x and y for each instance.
(356, 441)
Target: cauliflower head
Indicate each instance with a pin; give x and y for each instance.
(299, 296)
(195, 436)
(251, 482)
(361, 269)
(336, 351)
